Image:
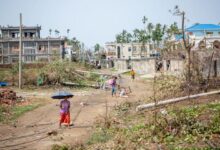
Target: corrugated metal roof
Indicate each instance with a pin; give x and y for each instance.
(202, 27)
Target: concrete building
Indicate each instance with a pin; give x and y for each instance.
(139, 56)
(34, 48)
(205, 36)
(129, 50)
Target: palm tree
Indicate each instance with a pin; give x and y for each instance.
(118, 38)
(68, 31)
(135, 35)
(144, 20)
(150, 27)
(124, 36)
(173, 29)
(128, 37)
(97, 47)
(158, 33)
(57, 32)
(50, 31)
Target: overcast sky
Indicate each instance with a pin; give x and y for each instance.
(98, 21)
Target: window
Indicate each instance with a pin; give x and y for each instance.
(13, 35)
(14, 59)
(30, 57)
(209, 33)
(5, 60)
(129, 49)
(25, 34)
(29, 44)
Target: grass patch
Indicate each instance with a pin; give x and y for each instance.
(20, 110)
(60, 147)
(99, 137)
(8, 114)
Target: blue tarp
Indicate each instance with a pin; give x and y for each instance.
(202, 27)
(3, 83)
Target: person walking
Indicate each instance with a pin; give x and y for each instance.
(132, 74)
(65, 112)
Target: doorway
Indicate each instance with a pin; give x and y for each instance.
(118, 52)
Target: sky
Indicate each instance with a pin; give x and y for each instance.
(98, 21)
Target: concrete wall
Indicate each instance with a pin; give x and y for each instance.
(173, 66)
(177, 67)
(215, 69)
(141, 66)
(121, 65)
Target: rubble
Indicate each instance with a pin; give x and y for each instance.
(7, 96)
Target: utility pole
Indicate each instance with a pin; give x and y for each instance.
(20, 51)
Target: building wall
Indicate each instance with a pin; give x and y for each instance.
(32, 51)
(215, 70)
(173, 66)
(203, 33)
(141, 66)
(128, 50)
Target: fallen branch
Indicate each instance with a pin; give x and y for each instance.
(78, 84)
(98, 73)
(82, 77)
(173, 100)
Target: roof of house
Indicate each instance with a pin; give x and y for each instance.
(17, 28)
(202, 27)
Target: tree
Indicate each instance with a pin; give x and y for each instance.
(124, 37)
(76, 44)
(128, 37)
(144, 20)
(187, 44)
(158, 33)
(118, 38)
(172, 30)
(136, 35)
(150, 27)
(97, 47)
(50, 31)
(57, 32)
(68, 31)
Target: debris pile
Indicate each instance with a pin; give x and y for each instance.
(7, 96)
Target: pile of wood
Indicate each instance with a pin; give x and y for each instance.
(7, 96)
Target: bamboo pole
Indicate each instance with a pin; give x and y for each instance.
(173, 100)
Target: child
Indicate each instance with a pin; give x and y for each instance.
(132, 74)
(113, 84)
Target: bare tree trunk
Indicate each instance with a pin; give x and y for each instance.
(188, 49)
(208, 78)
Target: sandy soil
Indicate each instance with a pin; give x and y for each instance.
(31, 131)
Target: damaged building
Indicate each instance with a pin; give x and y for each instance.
(141, 57)
(205, 52)
(34, 48)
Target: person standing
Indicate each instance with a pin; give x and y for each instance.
(132, 74)
(114, 84)
(65, 112)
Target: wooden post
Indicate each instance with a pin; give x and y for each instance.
(20, 52)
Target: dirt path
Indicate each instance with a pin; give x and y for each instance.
(32, 128)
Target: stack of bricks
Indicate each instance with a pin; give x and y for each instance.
(7, 96)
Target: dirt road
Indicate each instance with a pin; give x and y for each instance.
(31, 131)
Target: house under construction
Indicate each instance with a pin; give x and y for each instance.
(34, 48)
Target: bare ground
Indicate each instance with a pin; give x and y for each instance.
(31, 131)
